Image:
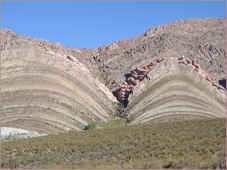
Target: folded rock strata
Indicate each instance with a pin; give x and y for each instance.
(137, 74)
(50, 92)
(173, 91)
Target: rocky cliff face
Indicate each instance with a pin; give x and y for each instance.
(46, 87)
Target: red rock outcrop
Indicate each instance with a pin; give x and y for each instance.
(138, 74)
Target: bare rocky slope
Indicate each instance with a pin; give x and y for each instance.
(200, 39)
(49, 88)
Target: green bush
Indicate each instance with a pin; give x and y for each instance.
(90, 126)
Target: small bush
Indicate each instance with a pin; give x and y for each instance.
(90, 126)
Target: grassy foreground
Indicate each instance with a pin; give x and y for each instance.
(179, 144)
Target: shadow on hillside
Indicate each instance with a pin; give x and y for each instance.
(127, 75)
(222, 82)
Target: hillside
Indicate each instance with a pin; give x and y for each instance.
(191, 144)
(175, 71)
(200, 39)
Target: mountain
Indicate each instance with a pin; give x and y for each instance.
(200, 39)
(171, 72)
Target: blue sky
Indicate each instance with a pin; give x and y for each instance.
(89, 24)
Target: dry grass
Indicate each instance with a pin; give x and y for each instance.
(180, 144)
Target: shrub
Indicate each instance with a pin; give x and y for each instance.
(90, 126)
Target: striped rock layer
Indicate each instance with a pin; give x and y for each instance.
(47, 92)
(173, 91)
(137, 75)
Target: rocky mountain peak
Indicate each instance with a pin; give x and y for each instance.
(200, 39)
